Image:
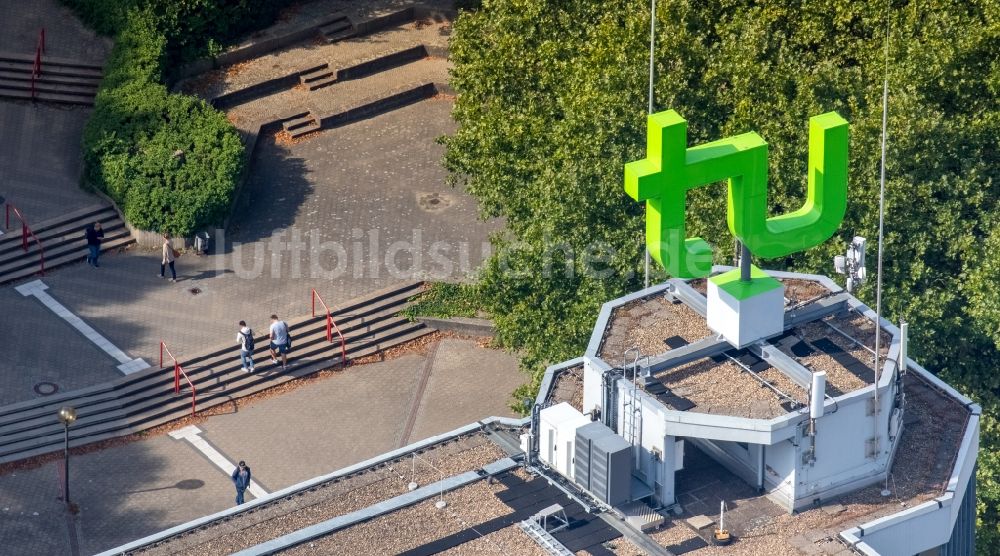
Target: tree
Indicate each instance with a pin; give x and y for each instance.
(552, 101)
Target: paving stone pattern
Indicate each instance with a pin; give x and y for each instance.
(315, 52)
(45, 349)
(303, 13)
(123, 493)
(455, 389)
(40, 159)
(340, 96)
(65, 35)
(369, 176)
(137, 489)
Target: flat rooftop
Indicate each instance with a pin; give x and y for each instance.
(737, 382)
(934, 423)
(481, 517)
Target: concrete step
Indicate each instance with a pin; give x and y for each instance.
(124, 416)
(336, 27)
(70, 223)
(13, 75)
(305, 130)
(50, 67)
(50, 87)
(322, 82)
(314, 74)
(309, 335)
(73, 233)
(64, 259)
(244, 384)
(296, 123)
(19, 94)
(55, 61)
(12, 262)
(356, 318)
(383, 62)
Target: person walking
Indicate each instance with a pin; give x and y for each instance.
(241, 478)
(280, 341)
(94, 235)
(245, 340)
(169, 256)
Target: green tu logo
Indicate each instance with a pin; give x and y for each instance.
(670, 169)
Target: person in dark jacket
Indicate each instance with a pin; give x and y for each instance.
(241, 478)
(94, 236)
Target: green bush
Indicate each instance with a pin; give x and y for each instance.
(170, 161)
(444, 300)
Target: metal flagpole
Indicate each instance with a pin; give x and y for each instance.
(881, 222)
(652, 44)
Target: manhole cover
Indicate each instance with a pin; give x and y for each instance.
(433, 201)
(194, 291)
(46, 388)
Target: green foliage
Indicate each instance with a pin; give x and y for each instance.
(170, 161)
(552, 102)
(444, 300)
(192, 28)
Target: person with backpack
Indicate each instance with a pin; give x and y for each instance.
(244, 338)
(94, 235)
(281, 341)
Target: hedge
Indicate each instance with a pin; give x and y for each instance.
(170, 161)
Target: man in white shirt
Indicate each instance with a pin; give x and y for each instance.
(244, 339)
(279, 341)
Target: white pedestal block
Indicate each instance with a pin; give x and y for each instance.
(744, 312)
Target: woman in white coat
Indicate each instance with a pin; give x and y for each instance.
(169, 256)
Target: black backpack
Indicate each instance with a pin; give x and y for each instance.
(248, 341)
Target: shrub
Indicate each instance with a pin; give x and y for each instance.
(192, 28)
(170, 161)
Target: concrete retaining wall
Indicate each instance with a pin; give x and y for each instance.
(460, 325)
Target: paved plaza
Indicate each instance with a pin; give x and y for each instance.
(137, 489)
(346, 211)
(356, 200)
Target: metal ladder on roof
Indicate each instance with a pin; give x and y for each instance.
(631, 408)
(544, 539)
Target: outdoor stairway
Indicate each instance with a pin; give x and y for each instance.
(146, 399)
(61, 80)
(301, 124)
(317, 77)
(338, 29)
(62, 240)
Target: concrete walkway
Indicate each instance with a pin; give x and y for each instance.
(134, 490)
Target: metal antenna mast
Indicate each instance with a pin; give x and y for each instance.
(652, 44)
(881, 220)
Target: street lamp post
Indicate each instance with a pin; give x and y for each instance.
(66, 416)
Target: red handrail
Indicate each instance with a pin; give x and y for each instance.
(331, 326)
(178, 371)
(25, 232)
(36, 68)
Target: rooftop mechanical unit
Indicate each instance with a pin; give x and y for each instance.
(603, 464)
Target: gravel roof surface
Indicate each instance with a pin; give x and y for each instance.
(920, 471)
(332, 499)
(568, 387)
(416, 525)
(509, 540)
(725, 388)
(647, 323)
